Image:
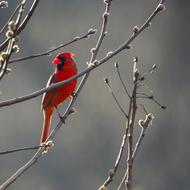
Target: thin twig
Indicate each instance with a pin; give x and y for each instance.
(139, 141)
(145, 96)
(48, 52)
(115, 98)
(144, 109)
(19, 149)
(120, 78)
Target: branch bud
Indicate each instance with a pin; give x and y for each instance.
(9, 34)
(94, 63)
(103, 187)
(111, 173)
(106, 80)
(116, 64)
(16, 49)
(105, 33)
(76, 38)
(72, 111)
(148, 24)
(93, 50)
(128, 46)
(153, 68)
(3, 55)
(135, 29)
(161, 7)
(135, 59)
(163, 107)
(106, 1)
(12, 25)
(105, 15)
(92, 31)
(109, 53)
(4, 4)
(8, 71)
(147, 121)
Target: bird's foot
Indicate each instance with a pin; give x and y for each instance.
(62, 118)
(74, 94)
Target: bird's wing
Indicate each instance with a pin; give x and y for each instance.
(49, 96)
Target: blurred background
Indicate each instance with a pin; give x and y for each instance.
(87, 146)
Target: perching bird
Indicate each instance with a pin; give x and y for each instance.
(65, 68)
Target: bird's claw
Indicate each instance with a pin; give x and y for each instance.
(74, 94)
(62, 118)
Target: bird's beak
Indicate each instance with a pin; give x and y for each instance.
(56, 61)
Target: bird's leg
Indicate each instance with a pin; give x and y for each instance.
(62, 118)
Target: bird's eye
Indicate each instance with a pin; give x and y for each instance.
(62, 61)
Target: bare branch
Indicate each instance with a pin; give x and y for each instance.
(23, 24)
(3, 4)
(115, 98)
(151, 97)
(75, 39)
(19, 149)
(120, 78)
(144, 124)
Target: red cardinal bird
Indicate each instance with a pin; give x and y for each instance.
(65, 69)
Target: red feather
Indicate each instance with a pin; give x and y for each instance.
(55, 97)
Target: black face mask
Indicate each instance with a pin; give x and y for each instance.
(61, 65)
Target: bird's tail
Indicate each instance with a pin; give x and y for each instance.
(47, 112)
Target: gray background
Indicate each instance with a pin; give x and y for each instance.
(87, 146)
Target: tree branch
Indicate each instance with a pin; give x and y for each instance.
(19, 149)
(77, 38)
(23, 24)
